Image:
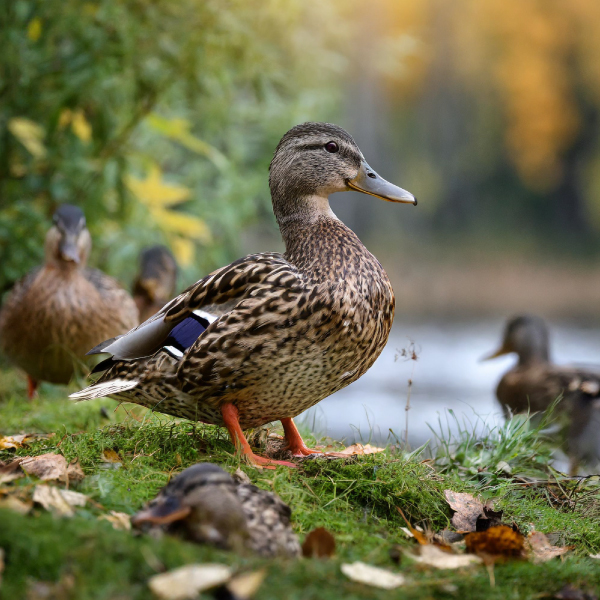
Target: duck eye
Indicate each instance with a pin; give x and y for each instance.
(331, 147)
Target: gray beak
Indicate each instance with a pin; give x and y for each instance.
(68, 249)
(368, 182)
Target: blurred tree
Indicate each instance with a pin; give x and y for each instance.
(157, 117)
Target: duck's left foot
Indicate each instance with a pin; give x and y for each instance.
(231, 420)
(295, 443)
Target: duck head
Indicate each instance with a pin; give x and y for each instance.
(314, 160)
(68, 242)
(155, 283)
(527, 336)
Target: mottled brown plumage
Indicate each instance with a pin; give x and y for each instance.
(534, 383)
(204, 504)
(155, 283)
(53, 315)
(282, 331)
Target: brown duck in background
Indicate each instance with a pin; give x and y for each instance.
(534, 383)
(270, 335)
(55, 313)
(155, 284)
(206, 505)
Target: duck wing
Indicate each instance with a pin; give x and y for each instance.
(180, 322)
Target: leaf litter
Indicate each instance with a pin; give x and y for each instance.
(23, 440)
(319, 543)
(57, 501)
(373, 576)
(49, 467)
(189, 581)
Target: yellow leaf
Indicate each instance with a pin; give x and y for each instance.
(182, 224)
(183, 250)
(65, 118)
(30, 134)
(34, 29)
(81, 127)
(153, 192)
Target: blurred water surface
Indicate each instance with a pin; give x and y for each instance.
(448, 374)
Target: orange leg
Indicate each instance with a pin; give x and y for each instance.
(31, 387)
(231, 419)
(295, 443)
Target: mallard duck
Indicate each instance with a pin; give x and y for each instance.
(270, 335)
(155, 284)
(206, 505)
(534, 383)
(55, 313)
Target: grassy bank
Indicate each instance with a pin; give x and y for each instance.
(354, 498)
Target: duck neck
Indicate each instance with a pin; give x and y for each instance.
(534, 356)
(299, 216)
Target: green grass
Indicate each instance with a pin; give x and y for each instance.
(355, 499)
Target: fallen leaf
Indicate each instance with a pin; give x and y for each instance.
(406, 532)
(418, 535)
(10, 471)
(542, 550)
(467, 510)
(9, 442)
(432, 556)
(48, 467)
(374, 576)
(596, 556)
(359, 449)
(498, 543)
(319, 543)
(569, 592)
(246, 585)
(17, 504)
(118, 520)
(189, 581)
(110, 456)
(60, 502)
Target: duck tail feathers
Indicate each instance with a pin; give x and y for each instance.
(103, 389)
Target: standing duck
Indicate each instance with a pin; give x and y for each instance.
(55, 313)
(270, 335)
(155, 284)
(205, 504)
(534, 383)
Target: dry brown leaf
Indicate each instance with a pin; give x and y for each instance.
(319, 543)
(50, 467)
(374, 576)
(542, 550)
(118, 520)
(357, 449)
(246, 585)
(13, 502)
(110, 456)
(8, 442)
(187, 582)
(432, 556)
(418, 535)
(10, 471)
(60, 502)
(498, 543)
(467, 510)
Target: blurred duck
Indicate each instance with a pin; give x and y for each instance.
(155, 283)
(206, 505)
(270, 335)
(534, 383)
(55, 313)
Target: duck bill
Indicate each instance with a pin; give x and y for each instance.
(500, 352)
(369, 182)
(68, 249)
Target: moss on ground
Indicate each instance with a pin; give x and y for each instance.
(355, 499)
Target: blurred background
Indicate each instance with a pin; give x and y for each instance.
(159, 119)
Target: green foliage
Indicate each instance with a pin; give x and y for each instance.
(94, 93)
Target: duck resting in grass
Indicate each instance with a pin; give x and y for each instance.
(270, 335)
(206, 505)
(155, 283)
(55, 313)
(534, 383)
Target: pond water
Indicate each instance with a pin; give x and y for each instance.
(447, 375)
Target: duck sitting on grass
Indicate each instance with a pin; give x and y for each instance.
(270, 335)
(155, 284)
(534, 383)
(206, 505)
(55, 313)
